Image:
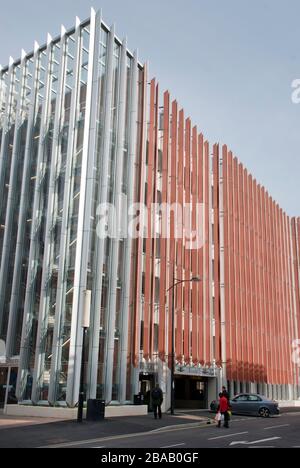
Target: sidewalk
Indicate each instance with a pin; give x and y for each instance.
(40, 432)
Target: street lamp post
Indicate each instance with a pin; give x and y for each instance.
(175, 283)
(85, 326)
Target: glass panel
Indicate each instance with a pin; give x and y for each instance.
(74, 200)
(12, 215)
(59, 158)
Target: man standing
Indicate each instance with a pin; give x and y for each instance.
(157, 399)
(225, 393)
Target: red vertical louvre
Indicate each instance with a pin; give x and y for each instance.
(275, 332)
(281, 278)
(296, 310)
(226, 254)
(208, 285)
(258, 281)
(164, 224)
(255, 280)
(149, 202)
(236, 266)
(268, 287)
(216, 235)
(277, 345)
(252, 276)
(247, 329)
(276, 289)
(173, 170)
(260, 301)
(243, 328)
(261, 305)
(271, 279)
(280, 320)
(187, 252)
(200, 251)
(194, 257)
(282, 312)
(280, 309)
(179, 241)
(290, 313)
(296, 251)
(264, 288)
(296, 279)
(270, 307)
(232, 288)
(251, 279)
(139, 198)
(271, 295)
(287, 339)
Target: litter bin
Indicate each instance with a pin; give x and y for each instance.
(137, 399)
(95, 410)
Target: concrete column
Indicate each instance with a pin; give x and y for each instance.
(212, 391)
(164, 380)
(253, 387)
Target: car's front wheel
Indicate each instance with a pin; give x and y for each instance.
(264, 412)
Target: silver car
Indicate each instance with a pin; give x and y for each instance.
(251, 404)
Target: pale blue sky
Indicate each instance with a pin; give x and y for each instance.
(230, 64)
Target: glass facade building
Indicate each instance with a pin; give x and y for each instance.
(82, 129)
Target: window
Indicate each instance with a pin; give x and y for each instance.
(241, 398)
(254, 398)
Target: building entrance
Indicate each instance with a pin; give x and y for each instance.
(3, 385)
(191, 392)
(147, 382)
(8, 381)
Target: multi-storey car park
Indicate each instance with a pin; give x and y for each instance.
(81, 128)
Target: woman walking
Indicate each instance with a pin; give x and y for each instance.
(223, 409)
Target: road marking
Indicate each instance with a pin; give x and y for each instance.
(175, 426)
(245, 442)
(180, 427)
(276, 427)
(229, 435)
(169, 446)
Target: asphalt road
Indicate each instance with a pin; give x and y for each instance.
(182, 431)
(281, 432)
